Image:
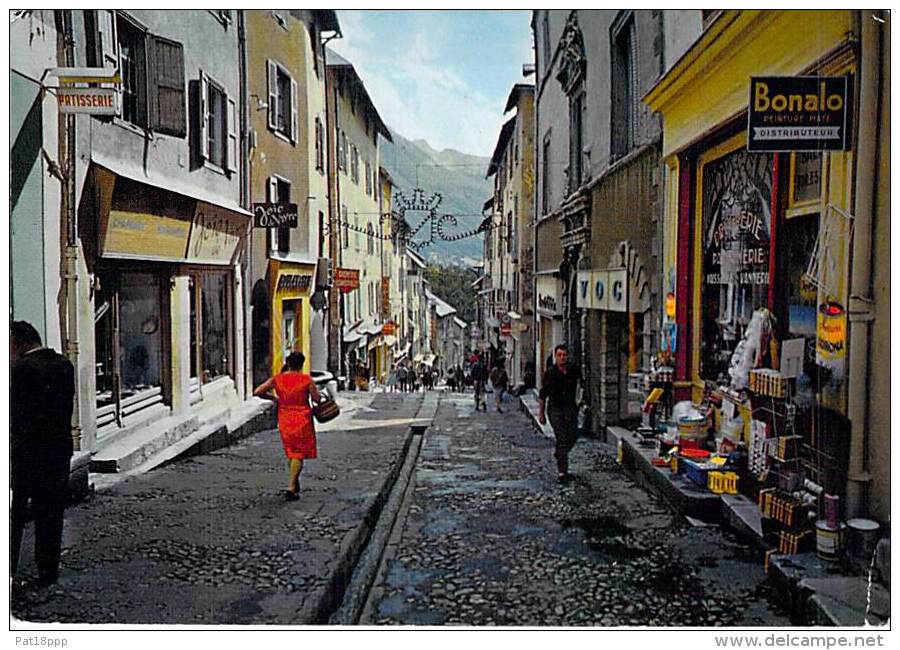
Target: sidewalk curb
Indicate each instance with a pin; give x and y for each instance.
(528, 405)
(325, 600)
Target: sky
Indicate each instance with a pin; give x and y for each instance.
(443, 76)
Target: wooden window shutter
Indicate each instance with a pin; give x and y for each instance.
(108, 47)
(165, 87)
(273, 94)
(203, 115)
(231, 151)
(294, 132)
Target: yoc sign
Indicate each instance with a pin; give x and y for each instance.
(806, 113)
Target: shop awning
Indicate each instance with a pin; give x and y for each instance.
(492, 322)
(390, 340)
(128, 169)
(353, 337)
(419, 358)
(429, 359)
(402, 352)
(514, 315)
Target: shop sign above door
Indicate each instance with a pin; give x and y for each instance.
(346, 280)
(90, 101)
(274, 215)
(798, 114)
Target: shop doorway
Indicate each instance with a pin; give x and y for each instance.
(129, 342)
(290, 321)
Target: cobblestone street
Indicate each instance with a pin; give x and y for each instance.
(491, 539)
(210, 540)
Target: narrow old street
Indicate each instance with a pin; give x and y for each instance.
(491, 539)
(485, 537)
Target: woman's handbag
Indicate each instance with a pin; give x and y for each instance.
(327, 409)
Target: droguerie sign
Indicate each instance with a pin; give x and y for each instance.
(798, 114)
(274, 215)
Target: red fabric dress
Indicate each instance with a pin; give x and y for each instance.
(298, 434)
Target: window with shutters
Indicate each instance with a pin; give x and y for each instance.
(152, 94)
(167, 109)
(545, 175)
(279, 192)
(342, 152)
(216, 127)
(132, 66)
(624, 85)
(354, 165)
(320, 147)
(576, 139)
(345, 220)
(368, 178)
(282, 101)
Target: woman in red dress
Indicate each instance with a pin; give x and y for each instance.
(294, 389)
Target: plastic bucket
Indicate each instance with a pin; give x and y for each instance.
(862, 537)
(829, 541)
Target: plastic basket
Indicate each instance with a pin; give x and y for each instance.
(695, 471)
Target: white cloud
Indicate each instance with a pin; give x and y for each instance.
(417, 93)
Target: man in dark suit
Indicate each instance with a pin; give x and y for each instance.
(42, 392)
(559, 386)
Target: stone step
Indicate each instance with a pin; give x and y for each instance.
(136, 447)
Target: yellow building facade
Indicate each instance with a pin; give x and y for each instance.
(286, 87)
(814, 216)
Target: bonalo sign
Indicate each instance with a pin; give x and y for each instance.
(274, 215)
(798, 114)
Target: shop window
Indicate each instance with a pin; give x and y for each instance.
(282, 101)
(289, 318)
(129, 345)
(210, 340)
(800, 234)
(736, 227)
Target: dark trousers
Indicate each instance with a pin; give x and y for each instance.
(42, 492)
(563, 421)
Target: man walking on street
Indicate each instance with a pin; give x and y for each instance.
(559, 385)
(42, 392)
(479, 376)
(500, 381)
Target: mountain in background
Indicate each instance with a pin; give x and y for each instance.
(457, 176)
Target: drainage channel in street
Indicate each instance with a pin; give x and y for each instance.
(358, 596)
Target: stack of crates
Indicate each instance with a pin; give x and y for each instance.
(765, 381)
(723, 482)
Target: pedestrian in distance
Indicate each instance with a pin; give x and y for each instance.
(460, 379)
(500, 380)
(479, 377)
(559, 386)
(42, 394)
(293, 391)
(403, 377)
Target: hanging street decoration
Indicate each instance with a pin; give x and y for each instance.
(430, 227)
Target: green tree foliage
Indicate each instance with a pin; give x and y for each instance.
(453, 285)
